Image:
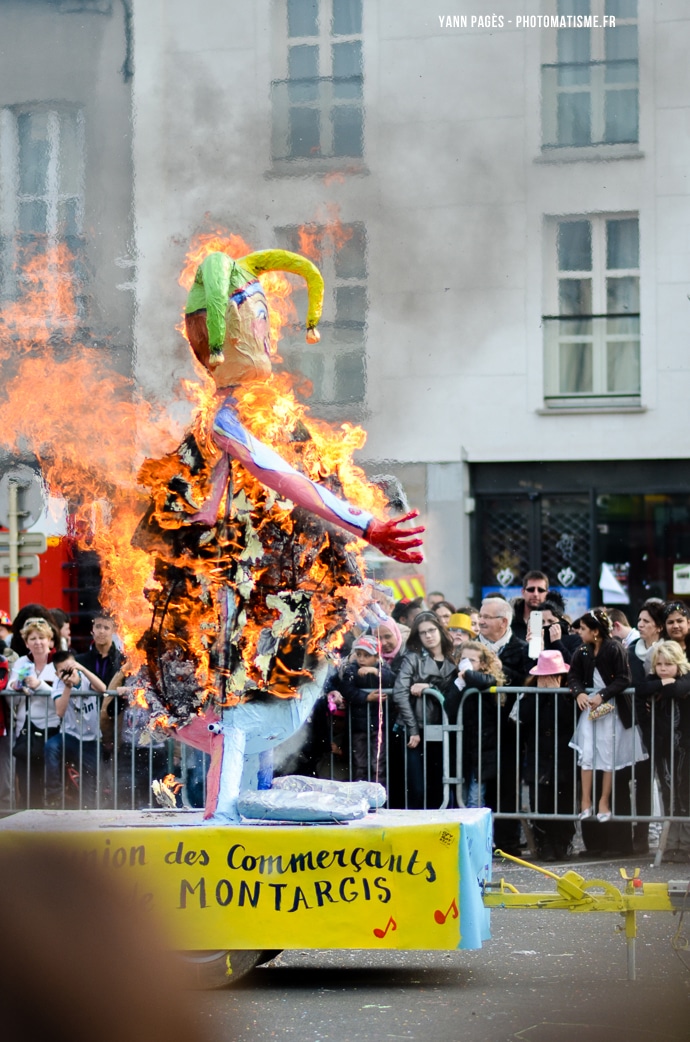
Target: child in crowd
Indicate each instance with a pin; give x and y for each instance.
(546, 724)
(668, 688)
(480, 669)
(361, 686)
(75, 702)
(460, 629)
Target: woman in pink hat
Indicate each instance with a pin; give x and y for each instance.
(546, 724)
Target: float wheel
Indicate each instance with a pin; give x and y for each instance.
(205, 970)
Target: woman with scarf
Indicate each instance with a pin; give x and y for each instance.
(390, 638)
(650, 625)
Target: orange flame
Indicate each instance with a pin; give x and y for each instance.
(138, 698)
(172, 783)
(325, 235)
(46, 305)
(90, 430)
(85, 424)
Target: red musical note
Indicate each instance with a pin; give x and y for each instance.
(440, 917)
(391, 924)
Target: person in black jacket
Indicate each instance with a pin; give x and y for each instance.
(360, 686)
(668, 687)
(535, 590)
(546, 721)
(650, 625)
(103, 657)
(428, 663)
(605, 739)
(495, 632)
(557, 633)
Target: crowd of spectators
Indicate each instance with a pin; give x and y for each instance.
(599, 730)
(63, 741)
(599, 733)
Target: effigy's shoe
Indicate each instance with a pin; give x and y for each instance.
(373, 792)
(283, 804)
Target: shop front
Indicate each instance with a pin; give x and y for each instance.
(606, 532)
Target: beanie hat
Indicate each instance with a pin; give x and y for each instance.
(366, 643)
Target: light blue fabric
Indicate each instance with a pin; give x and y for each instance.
(475, 850)
(249, 730)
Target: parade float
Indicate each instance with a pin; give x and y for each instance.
(232, 578)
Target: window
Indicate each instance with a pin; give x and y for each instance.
(336, 366)
(41, 183)
(590, 92)
(317, 105)
(592, 333)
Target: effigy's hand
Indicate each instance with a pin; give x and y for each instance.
(394, 541)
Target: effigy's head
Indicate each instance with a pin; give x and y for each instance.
(227, 315)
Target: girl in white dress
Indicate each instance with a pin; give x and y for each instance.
(608, 741)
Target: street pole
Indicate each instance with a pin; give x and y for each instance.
(13, 518)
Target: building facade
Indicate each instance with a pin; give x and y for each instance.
(66, 222)
(507, 306)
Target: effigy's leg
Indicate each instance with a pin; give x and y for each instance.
(248, 730)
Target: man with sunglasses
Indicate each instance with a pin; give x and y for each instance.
(535, 590)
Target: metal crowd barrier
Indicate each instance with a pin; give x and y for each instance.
(513, 736)
(120, 773)
(108, 771)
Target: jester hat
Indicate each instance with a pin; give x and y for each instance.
(213, 312)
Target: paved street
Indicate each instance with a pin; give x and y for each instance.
(544, 977)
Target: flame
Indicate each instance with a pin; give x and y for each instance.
(325, 235)
(46, 306)
(86, 425)
(172, 783)
(90, 430)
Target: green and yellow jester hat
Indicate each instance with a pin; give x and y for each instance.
(226, 314)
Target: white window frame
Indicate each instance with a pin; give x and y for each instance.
(10, 195)
(332, 345)
(555, 332)
(325, 101)
(597, 86)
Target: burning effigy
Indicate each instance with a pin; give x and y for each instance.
(255, 547)
(231, 558)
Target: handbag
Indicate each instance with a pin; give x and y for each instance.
(603, 710)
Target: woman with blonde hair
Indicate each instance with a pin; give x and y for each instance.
(36, 719)
(668, 690)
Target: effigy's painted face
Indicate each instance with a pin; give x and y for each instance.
(247, 346)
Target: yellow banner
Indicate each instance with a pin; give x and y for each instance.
(392, 881)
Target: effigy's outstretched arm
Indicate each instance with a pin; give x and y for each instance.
(272, 470)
